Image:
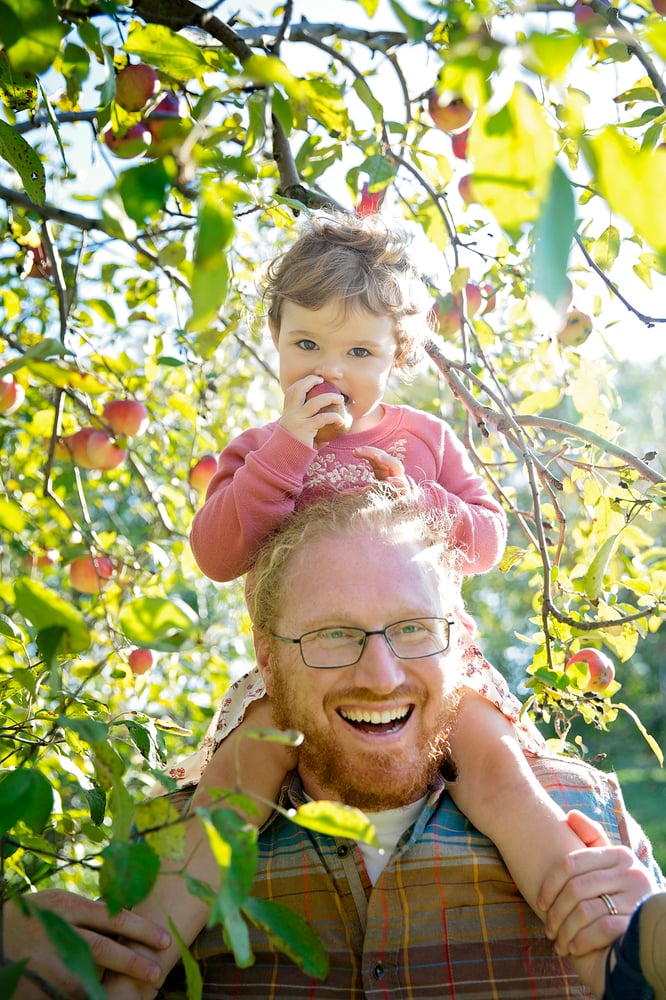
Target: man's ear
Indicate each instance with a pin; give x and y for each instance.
(263, 654)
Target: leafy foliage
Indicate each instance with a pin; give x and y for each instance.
(131, 245)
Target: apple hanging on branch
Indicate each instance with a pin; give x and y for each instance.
(202, 472)
(136, 85)
(449, 112)
(88, 574)
(140, 660)
(601, 670)
(12, 394)
(128, 417)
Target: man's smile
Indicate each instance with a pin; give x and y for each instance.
(388, 720)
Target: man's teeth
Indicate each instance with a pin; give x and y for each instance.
(376, 718)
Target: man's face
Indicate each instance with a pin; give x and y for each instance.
(350, 753)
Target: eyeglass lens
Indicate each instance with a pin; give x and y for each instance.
(342, 646)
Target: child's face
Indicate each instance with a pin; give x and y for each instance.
(354, 350)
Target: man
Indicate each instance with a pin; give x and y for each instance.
(354, 607)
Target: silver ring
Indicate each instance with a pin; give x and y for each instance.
(610, 904)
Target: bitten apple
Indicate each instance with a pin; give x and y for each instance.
(126, 416)
(136, 84)
(12, 394)
(140, 660)
(332, 430)
(600, 667)
(88, 575)
(202, 472)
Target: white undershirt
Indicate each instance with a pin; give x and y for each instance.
(390, 824)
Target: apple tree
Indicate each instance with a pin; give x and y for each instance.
(153, 155)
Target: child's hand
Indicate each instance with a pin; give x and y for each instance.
(387, 468)
(304, 418)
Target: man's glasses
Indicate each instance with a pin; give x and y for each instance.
(342, 646)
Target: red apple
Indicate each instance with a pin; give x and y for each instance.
(459, 144)
(36, 263)
(369, 203)
(465, 189)
(164, 125)
(588, 20)
(490, 298)
(600, 667)
(660, 7)
(12, 394)
(88, 575)
(126, 416)
(140, 660)
(202, 472)
(76, 446)
(577, 328)
(333, 430)
(450, 114)
(103, 452)
(134, 142)
(136, 85)
(473, 298)
(447, 316)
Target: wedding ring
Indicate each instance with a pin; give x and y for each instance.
(610, 903)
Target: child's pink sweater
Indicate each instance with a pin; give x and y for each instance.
(265, 474)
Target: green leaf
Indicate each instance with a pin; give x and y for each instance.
(369, 6)
(606, 247)
(210, 277)
(237, 936)
(19, 91)
(553, 233)
(290, 933)
(36, 44)
(161, 817)
(193, 978)
(10, 976)
(415, 27)
(551, 54)
(143, 189)
(172, 53)
(44, 609)
(22, 157)
(25, 795)
(158, 623)
(73, 951)
(12, 518)
(650, 740)
(335, 820)
(594, 577)
(234, 843)
(127, 875)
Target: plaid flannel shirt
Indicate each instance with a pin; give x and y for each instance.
(444, 919)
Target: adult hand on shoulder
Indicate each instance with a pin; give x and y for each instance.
(579, 919)
(24, 937)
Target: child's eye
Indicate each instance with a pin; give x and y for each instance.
(306, 345)
(360, 352)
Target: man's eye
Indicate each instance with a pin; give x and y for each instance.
(413, 628)
(306, 345)
(360, 352)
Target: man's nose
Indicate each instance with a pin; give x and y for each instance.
(379, 668)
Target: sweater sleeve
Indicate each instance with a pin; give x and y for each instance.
(258, 480)
(479, 523)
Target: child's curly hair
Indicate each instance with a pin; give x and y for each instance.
(363, 262)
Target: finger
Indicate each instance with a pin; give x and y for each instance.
(559, 881)
(114, 956)
(588, 830)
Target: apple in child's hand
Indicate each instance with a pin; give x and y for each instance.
(140, 660)
(202, 472)
(332, 430)
(600, 668)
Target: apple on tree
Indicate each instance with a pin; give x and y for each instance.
(577, 328)
(136, 85)
(450, 113)
(126, 416)
(164, 125)
(601, 670)
(94, 449)
(140, 660)
(202, 472)
(12, 394)
(459, 144)
(135, 141)
(88, 574)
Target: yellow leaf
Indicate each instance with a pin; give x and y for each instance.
(630, 180)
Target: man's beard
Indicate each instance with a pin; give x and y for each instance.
(373, 780)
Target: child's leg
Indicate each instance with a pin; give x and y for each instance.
(263, 767)
(497, 791)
